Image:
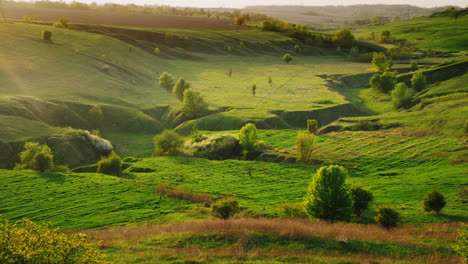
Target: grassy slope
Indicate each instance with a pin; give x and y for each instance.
(440, 33)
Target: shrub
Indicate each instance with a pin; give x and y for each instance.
(254, 89)
(27, 242)
(414, 66)
(383, 82)
(380, 61)
(312, 126)
(248, 138)
(216, 147)
(305, 144)
(292, 210)
(402, 96)
(461, 244)
(242, 44)
(418, 82)
(240, 20)
(166, 80)
(343, 38)
(328, 197)
(387, 217)
(168, 143)
(365, 125)
(287, 58)
(225, 208)
(297, 49)
(179, 88)
(434, 201)
(47, 35)
(36, 157)
(361, 199)
(193, 105)
(110, 165)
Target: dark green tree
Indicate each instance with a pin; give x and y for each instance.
(361, 199)
(225, 208)
(166, 80)
(434, 201)
(387, 217)
(193, 105)
(402, 96)
(287, 58)
(179, 88)
(418, 82)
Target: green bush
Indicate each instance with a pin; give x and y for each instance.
(292, 210)
(402, 96)
(166, 80)
(110, 165)
(387, 217)
(328, 197)
(380, 61)
(36, 157)
(418, 82)
(225, 208)
(434, 201)
(361, 199)
(179, 88)
(312, 126)
(216, 147)
(27, 242)
(383, 82)
(168, 143)
(193, 105)
(297, 49)
(461, 244)
(366, 125)
(287, 58)
(248, 138)
(414, 66)
(305, 144)
(343, 38)
(47, 35)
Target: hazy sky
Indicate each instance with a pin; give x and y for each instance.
(242, 3)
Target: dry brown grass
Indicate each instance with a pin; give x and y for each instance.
(183, 193)
(407, 234)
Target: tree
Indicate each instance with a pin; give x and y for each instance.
(47, 35)
(387, 217)
(193, 105)
(179, 88)
(254, 89)
(312, 126)
(96, 116)
(242, 44)
(36, 157)
(110, 165)
(387, 81)
(270, 81)
(380, 61)
(168, 143)
(225, 208)
(328, 197)
(248, 138)
(166, 80)
(287, 58)
(343, 38)
(240, 20)
(305, 144)
(297, 49)
(434, 201)
(402, 96)
(361, 199)
(414, 66)
(27, 242)
(418, 82)
(157, 51)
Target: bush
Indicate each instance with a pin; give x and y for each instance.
(328, 197)
(383, 82)
(110, 165)
(216, 147)
(179, 88)
(461, 244)
(47, 35)
(361, 199)
(402, 96)
(287, 58)
(305, 144)
(387, 217)
(380, 61)
(36, 157)
(26, 242)
(248, 138)
(312, 126)
(344, 38)
(365, 125)
(225, 208)
(434, 201)
(292, 210)
(418, 82)
(157, 51)
(297, 49)
(168, 143)
(193, 105)
(166, 80)
(240, 20)
(414, 66)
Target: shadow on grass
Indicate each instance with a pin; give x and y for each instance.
(52, 177)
